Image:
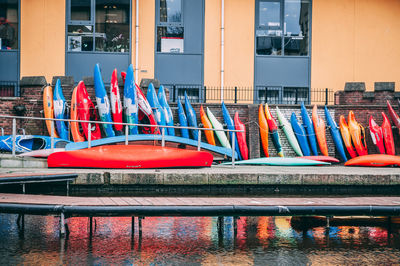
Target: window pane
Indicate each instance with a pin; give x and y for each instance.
(269, 95)
(270, 15)
(80, 10)
(269, 40)
(112, 26)
(170, 11)
(293, 95)
(80, 38)
(170, 39)
(9, 24)
(296, 27)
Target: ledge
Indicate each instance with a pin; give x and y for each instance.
(354, 86)
(65, 81)
(33, 81)
(384, 86)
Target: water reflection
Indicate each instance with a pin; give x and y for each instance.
(198, 240)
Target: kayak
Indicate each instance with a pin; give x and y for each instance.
(191, 118)
(131, 101)
(279, 161)
(241, 137)
(182, 120)
(218, 126)
(41, 153)
(60, 110)
(115, 102)
(287, 129)
(207, 124)
(103, 103)
(130, 157)
(345, 132)
(375, 160)
(156, 107)
(335, 133)
(145, 114)
(309, 127)
(322, 158)
(393, 115)
(273, 128)
(231, 126)
(87, 112)
(357, 133)
(262, 121)
(27, 143)
(319, 127)
(376, 135)
(169, 118)
(387, 135)
(48, 108)
(77, 135)
(300, 134)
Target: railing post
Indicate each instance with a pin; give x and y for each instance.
(297, 95)
(199, 140)
(326, 96)
(175, 93)
(126, 134)
(205, 94)
(14, 133)
(265, 95)
(233, 148)
(89, 135)
(163, 137)
(52, 135)
(235, 94)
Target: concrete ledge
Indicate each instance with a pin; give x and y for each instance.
(65, 81)
(384, 86)
(33, 81)
(21, 162)
(354, 86)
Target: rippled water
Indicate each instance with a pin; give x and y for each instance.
(188, 241)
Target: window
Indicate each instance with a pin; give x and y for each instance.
(283, 28)
(170, 30)
(282, 95)
(9, 24)
(101, 26)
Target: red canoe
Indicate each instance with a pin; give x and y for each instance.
(321, 158)
(241, 137)
(376, 160)
(130, 156)
(394, 115)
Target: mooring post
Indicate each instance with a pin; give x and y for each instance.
(14, 136)
(62, 225)
(89, 135)
(199, 140)
(67, 188)
(163, 137)
(23, 188)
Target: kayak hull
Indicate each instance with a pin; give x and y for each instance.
(262, 121)
(218, 126)
(48, 108)
(287, 129)
(241, 137)
(279, 161)
(309, 127)
(319, 128)
(335, 133)
(374, 160)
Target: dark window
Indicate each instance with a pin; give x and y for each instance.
(80, 10)
(170, 29)
(9, 24)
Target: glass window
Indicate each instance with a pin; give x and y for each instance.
(269, 40)
(270, 15)
(295, 95)
(8, 24)
(296, 27)
(80, 10)
(170, 39)
(170, 11)
(80, 38)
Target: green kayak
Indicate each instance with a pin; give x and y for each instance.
(287, 128)
(220, 134)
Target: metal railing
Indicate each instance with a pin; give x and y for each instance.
(89, 138)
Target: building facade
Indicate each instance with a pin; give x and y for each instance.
(273, 48)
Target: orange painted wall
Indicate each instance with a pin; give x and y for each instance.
(355, 41)
(43, 38)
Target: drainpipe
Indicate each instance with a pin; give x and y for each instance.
(137, 43)
(222, 48)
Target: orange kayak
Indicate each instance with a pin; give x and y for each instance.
(357, 133)
(207, 124)
(376, 160)
(49, 109)
(388, 135)
(76, 133)
(345, 132)
(319, 127)
(263, 129)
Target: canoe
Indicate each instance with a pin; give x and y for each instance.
(262, 121)
(40, 153)
(169, 118)
(309, 127)
(375, 160)
(345, 132)
(48, 108)
(218, 126)
(357, 133)
(115, 102)
(145, 114)
(287, 129)
(231, 126)
(130, 157)
(154, 139)
(321, 158)
(279, 161)
(182, 120)
(130, 101)
(77, 135)
(60, 110)
(300, 134)
(393, 115)
(207, 124)
(26, 143)
(87, 112)
(156, 107)
(241, 137)
(273, 129)
(319, 128)
(376, 135)
(191, 118)
(335, 133)
(387, 135)
(103, 103)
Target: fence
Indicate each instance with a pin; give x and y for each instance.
(9, 89)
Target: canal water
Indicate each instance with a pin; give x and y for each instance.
(198, 241)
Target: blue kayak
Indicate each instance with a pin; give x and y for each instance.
(309, 127)
(182, 120)
(336, 136)
(60, 110)
(27, 143)
(169, 118)
(156, 107)
(131, 101)
(229, 122)
(103, 103)
(191, 118)
(300, 134)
